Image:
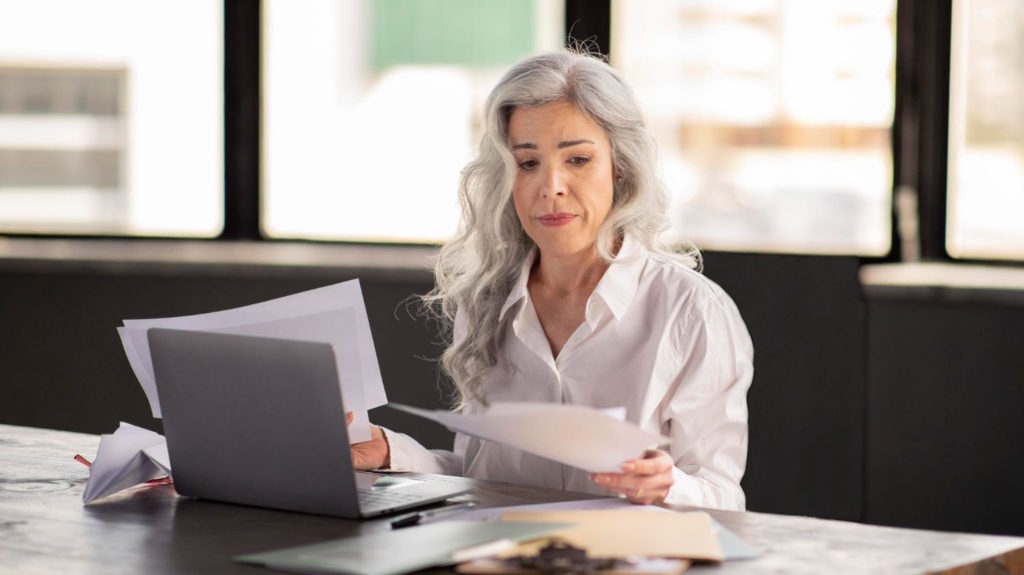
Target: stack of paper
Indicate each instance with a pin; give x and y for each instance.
(130, 456)
(333, 314)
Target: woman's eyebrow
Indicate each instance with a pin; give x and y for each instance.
(572, 143)
(566, 144)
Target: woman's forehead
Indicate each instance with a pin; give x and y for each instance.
(553, 123)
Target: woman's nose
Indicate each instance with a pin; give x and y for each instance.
(554, 183)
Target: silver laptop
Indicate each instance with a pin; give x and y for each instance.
(260, 421)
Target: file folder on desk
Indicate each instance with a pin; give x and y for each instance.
(399, 551)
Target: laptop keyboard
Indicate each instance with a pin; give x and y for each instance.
(370, 501)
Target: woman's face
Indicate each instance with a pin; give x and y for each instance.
(564, 180)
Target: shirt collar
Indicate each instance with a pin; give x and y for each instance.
(616, 288)
(619, 283)
(519, 290)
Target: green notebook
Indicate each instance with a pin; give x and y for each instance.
(397, 551)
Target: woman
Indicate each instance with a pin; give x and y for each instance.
(559, 290)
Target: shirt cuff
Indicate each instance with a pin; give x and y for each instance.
(702, 492)
(399, 450)
(685, 490)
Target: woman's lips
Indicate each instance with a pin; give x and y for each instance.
(559, 219)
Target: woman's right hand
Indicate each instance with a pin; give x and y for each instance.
(372, 454)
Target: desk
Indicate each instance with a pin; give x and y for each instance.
(44, 528)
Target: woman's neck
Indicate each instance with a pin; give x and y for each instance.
(565, 275)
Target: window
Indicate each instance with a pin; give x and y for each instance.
(986, 131)
(111, 118)
(372, 108)
(773, 118)
(62, 147)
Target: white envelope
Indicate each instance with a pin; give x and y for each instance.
(591, 439)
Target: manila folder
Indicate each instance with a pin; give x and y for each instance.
(629, 533)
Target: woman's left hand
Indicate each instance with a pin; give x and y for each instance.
(643, 481)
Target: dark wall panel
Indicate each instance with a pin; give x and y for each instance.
(806, 316)
(946, 389)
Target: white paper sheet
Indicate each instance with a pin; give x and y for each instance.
(583, 437)
(334, 314)
(157, 453)
(527, 407)
(122, 462)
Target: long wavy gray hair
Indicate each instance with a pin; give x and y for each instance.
(476, 269)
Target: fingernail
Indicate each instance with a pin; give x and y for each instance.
(628, 467)
(600, 479)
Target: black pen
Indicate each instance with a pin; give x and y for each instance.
(415, 518)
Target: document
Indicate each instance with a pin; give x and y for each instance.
(334, 314)
(128, 457)
(591, 439)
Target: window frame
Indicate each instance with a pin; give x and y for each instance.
(242, 112)
(920, 132)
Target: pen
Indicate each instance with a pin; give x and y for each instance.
(417, 518)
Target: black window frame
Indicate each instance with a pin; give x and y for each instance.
(242, 114)
(920, 132)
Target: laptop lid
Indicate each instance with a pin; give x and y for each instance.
(254, 420)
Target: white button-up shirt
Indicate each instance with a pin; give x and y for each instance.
(661, 340)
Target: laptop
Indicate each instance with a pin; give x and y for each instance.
(260, 421)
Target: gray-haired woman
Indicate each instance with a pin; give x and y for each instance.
(559, 290)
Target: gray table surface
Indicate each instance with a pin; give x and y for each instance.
(44, 528)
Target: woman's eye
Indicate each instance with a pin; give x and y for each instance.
(527, 165)
(579, 160)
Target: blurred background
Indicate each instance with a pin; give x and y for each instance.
(774, 117)
(852, 169)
